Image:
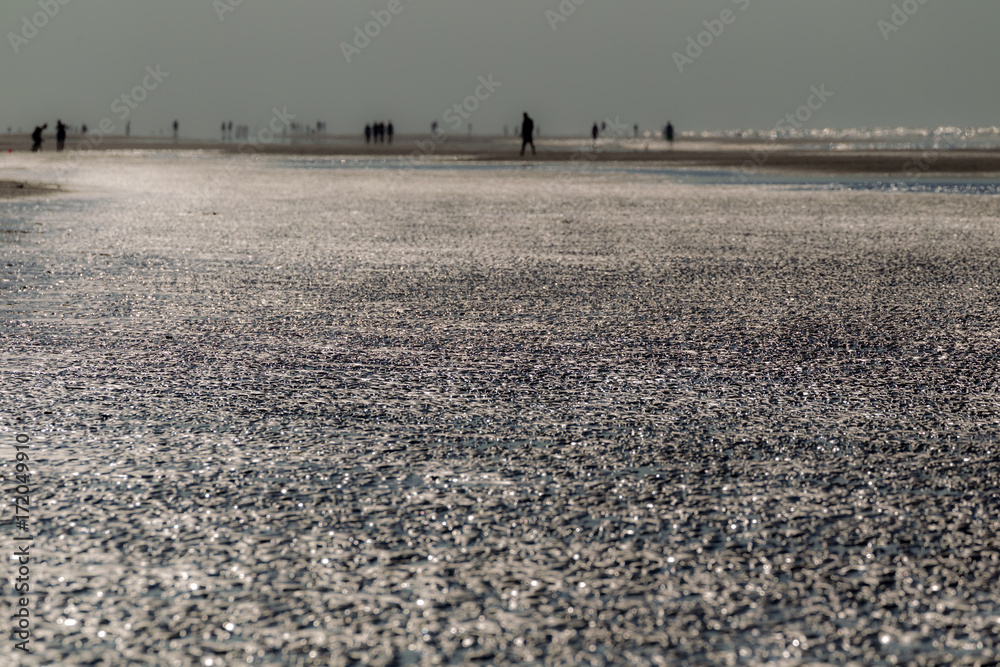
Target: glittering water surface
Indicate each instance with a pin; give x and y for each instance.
(284, 413)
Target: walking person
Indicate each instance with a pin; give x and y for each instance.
(527, 134)
(60, 135)
(36, 138)
(668, 133)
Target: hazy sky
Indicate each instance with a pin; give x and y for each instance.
(239, 59)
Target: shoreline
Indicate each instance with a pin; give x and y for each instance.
(747, 156)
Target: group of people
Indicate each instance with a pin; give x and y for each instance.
(229, 133)
(37, 138)
(598, 130)
(379, 132)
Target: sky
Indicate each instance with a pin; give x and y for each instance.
(706, 65)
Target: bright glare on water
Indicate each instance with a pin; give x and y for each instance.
(305, 411)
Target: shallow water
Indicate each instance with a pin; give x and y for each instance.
(306, 412)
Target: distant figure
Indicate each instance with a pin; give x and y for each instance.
(391, 131)
(368, 134)
(128, 128)
(223, 130)
(231, 130)
(635, 130)
(36, 138)
(604, 126)
(527, 134)
(595, 132)
(669, 133)
(434, 127)
(83, 130)
(176, 126)
(60, 135)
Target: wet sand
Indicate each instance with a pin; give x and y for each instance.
(289, 414)
(10, 189)
(746, 155)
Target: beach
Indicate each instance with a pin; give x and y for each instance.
(9, 189)
(306, 406)
(744, 155)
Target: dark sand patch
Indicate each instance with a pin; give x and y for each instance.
(752, 155)
(11, 189)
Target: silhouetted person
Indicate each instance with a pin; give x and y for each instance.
(604, 126)
(390, 130)
(60, 135)
(635, 130)
(368, 134)
(231, 130)
(669, 133)
(83, 130)
(595, 132)
(36, 138)
(527, 134)
(434, 127)
(176, 126)
(128, 128)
